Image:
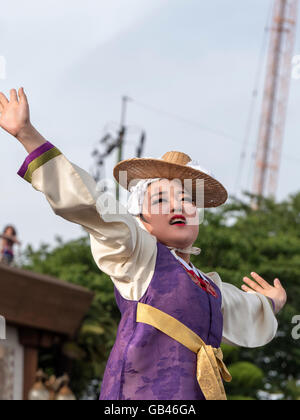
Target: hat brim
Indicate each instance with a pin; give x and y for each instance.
(143, 168)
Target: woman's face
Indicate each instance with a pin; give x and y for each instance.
(9, 231)
(163, 200)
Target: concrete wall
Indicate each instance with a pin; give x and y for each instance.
(11, 366)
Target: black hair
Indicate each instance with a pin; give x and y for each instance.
(143, 218)
(10, 227)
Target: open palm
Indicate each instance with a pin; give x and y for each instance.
(276, 292)
(14, 113)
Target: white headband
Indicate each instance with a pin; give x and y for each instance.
(137, 194)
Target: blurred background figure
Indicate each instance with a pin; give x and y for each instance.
(7, 241)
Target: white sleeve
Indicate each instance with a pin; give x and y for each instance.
(120, 247)
(248, 317)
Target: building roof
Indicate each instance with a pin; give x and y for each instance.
(41, 301)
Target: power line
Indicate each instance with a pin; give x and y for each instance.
(194, 123)
(185, 120)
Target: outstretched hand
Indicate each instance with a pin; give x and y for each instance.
(276, 292)
(14, 113)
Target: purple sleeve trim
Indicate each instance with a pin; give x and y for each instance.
(33, 155)
(273, 304)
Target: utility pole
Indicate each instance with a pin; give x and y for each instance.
(276, 92)
(114, 139)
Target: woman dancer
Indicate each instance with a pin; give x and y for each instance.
(174, 316)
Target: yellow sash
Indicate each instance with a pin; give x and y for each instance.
(210, 365)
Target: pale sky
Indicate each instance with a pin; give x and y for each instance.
(192, 58)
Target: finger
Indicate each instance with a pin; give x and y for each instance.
(22, 94)
(253, 284)
(13, 95)
(3, 99)
(246, 288)
(277, 283)
(264, 284)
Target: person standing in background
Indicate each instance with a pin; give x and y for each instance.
(8, 240)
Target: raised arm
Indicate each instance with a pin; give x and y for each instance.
(15, 119)
(120, 247)
(11, 238)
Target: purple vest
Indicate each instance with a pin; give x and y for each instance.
(146, 364)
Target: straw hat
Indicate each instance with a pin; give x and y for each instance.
(171, 165)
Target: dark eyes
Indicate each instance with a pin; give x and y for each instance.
(160, 200)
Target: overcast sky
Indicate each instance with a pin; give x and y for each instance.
(193, 59)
